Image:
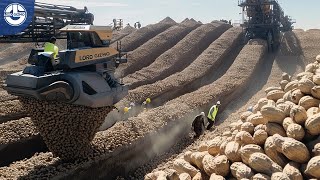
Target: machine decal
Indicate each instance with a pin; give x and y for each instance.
(94, 54)
(15, 16)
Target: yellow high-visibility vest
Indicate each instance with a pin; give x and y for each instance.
(49, 47)
(213, 113)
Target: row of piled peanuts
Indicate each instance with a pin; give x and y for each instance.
(279, 139)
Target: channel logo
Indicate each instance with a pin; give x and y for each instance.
(15, 14)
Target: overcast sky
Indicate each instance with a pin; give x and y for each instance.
(306, 12)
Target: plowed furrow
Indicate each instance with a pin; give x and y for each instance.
(137, 38)
(11, 110)
(178, 57)
(115, 148)
(196, 74)
(149, 51)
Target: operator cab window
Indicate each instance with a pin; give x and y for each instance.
(82, 40)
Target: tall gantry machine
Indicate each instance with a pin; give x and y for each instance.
(264, 19)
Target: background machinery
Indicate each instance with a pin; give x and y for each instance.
(83, 74)
(117, 24)
(264, 19)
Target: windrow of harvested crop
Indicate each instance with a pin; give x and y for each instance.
(66, 129)
(278, 139)
(4, 96)
(212, 57)
(149, 51)
(140, 36)
(310, 43)
(118, 35)
(124, 135)
(178, 57)
(210, 60)
(17, 130)
(11, 110)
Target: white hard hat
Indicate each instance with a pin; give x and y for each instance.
(202, 113)
(218, 103)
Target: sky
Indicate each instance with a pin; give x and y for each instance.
(305, 12)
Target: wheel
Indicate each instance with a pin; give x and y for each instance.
(58, 91)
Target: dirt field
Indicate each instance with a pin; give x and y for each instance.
(184, 68)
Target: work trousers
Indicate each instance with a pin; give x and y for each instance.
(211, 123)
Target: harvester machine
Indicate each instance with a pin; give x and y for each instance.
(264, 19)
(83, 74)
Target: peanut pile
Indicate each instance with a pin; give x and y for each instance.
(279, 139)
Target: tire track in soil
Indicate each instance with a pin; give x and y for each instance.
(110, 156)
(269, 75)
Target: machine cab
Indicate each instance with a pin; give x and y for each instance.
(87, 36)
(86, 45)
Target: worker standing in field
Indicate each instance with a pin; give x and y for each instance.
(51, 47)
(212, 115)
(146, 104)
(198, 124)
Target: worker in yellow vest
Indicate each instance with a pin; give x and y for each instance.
(212, 115)
(146, 104)
(51, 47)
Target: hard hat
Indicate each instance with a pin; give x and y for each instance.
(148, 100)
(126, 109)
(250, 108)
(218, 103)
(202, 113)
